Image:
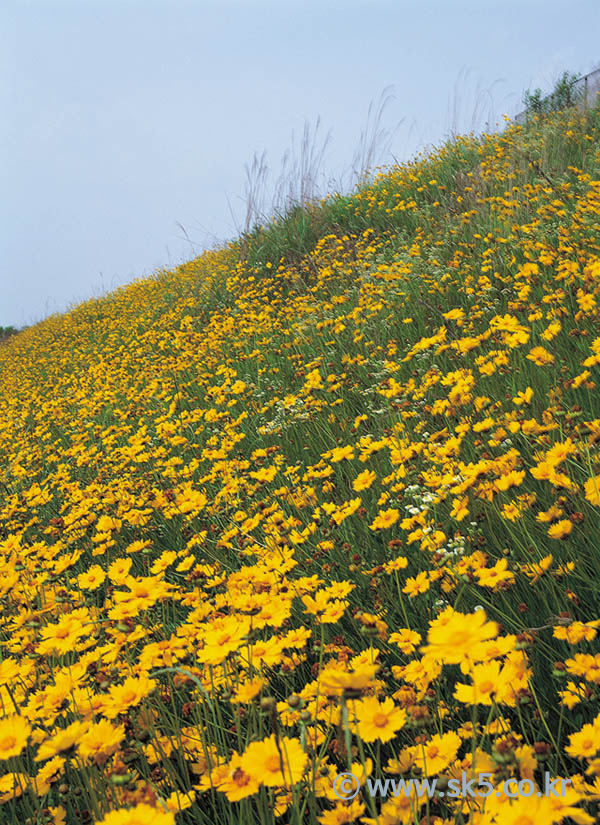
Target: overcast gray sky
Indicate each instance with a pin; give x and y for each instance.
(123, 119)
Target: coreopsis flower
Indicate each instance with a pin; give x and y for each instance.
(592, 490)
(385, 518)
(341, 453)
(92, 578)
(62, 742)
(190, 501)
(495, 576)
(100, 741)
(334, 680)
(222, 637)
(530, 810)
(511, 511)
(64, 636)
(324, 607)
(562, 806)
(248, 691)
(551, 514)
(378, 720)
(417, 584)
(437, 753)
(122, 697)
(342, 813)
(453, 635)
(523, 397)
(142, 814)
(577, 632)
(573, 694)
(399, 563)
(275, 761)
(12, 785)
(560, 451)
(540, 356)
(233, 781)
(345, 510)
(560, 529)
(14, 733)
(364, 480)
(265, 474)
(535, 571)
(454, 314)
(118, 572)
(49, 774)
(161, 564)
(406, 639)
(486, 683)
(585, 743)
(508, 480)
(400, 810)
(586, 665)
(136, 546)
(58, 814)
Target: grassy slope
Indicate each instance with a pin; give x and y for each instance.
(215, 419)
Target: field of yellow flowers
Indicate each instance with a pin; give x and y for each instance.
(325, 500)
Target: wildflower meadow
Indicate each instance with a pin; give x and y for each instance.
(324, 500)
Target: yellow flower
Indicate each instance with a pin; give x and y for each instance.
(454, 315)
(234, 782)
(592, 490)
(341, 453)
(577, 631)
(264, 474)
(399, 563)
(511, 511)
(550, 514)
(222, 637)
(92, 578)
(384, 519)
(436, 754)
(417, 584)
(572, 695)
(61, 742)
(378, 720)
(142, 814)
(118, 572)
(342, 813)
(364, 480)
(275, 761)
(100, 741)
(63, 637)
(122, 697)
(486, 683)
(496, 575)
(248, 691)
(540, 356)
(585, 743)
(586, 301)
(48, 774)
(334, 680)
(14, 733)
(406, 639)
(560, 529)
(453, 636)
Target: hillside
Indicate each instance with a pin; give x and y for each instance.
(326, 500)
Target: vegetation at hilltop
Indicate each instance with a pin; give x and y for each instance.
(6, 332)
(325, 500)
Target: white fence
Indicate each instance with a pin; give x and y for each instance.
(586, 90)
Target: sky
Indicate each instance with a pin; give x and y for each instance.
(128, 125)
